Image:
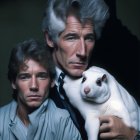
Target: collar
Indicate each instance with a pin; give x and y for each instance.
(58, 72)
(40, 110)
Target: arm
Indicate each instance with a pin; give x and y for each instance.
(113, 127)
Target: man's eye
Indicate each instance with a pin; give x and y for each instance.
(71, 38)
(24, 76)
(42, 75)
(90, 38)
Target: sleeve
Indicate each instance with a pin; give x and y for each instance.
(68, 130)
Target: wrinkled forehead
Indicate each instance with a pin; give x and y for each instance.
(73, 23)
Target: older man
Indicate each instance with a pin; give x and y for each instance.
(71, 28)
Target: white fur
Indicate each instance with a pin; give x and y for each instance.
(93, 100)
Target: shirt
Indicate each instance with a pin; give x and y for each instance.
(47, 123)
(58, 72)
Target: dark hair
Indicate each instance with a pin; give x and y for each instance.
(30, 49)
(57, 11)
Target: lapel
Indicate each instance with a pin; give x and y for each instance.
(13, 125)
(14, 129)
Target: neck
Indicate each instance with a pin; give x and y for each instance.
(23, 111)
(23, 115)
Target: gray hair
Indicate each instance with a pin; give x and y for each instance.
(58, 10)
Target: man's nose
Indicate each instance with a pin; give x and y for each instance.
(81, 51)
(34, 84)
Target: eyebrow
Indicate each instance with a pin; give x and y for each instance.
(41, 72)
(22, 73)
(75, 34)
(90, 34)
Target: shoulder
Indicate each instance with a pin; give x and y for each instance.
(5, 108)
(62, 123)
(57, 117)
(5, 112)
(60, 117)
(57, 111)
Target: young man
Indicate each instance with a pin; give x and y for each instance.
(32, 115)
(71, 27)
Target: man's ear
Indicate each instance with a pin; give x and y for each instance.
(13, 85)
(52, 84)
(48, 40)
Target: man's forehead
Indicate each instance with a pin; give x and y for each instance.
(73, 23)
(29, 64)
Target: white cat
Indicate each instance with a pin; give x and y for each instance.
(98, 93)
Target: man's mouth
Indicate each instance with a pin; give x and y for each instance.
(34, 97)
(79, 64)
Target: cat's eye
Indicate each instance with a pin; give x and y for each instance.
(84, 79)
(99, 82)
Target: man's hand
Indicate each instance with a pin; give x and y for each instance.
(112, 127)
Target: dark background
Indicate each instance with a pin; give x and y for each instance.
(118, 50)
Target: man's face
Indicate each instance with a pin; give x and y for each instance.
(74, 47)
(32, 84)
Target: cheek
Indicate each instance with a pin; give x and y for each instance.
(22, 93)
(65, 49)
(44, 87)
(90, 50)
(62, 56)
(22, 88)
(90, 46)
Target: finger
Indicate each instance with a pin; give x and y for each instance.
(104, 127)
(104, 119)
(107, 119)
(106, 135)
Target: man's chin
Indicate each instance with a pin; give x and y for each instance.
(35, 105)
(75, 73)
